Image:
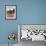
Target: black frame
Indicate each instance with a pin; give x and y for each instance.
(5, 12)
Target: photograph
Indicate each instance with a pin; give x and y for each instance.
(10, 12)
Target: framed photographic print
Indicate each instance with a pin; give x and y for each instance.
(10, 12)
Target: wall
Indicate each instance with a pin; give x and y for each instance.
(28, 12)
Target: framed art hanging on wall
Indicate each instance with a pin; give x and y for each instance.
(10, 12)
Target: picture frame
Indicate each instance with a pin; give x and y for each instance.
(10, 12)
